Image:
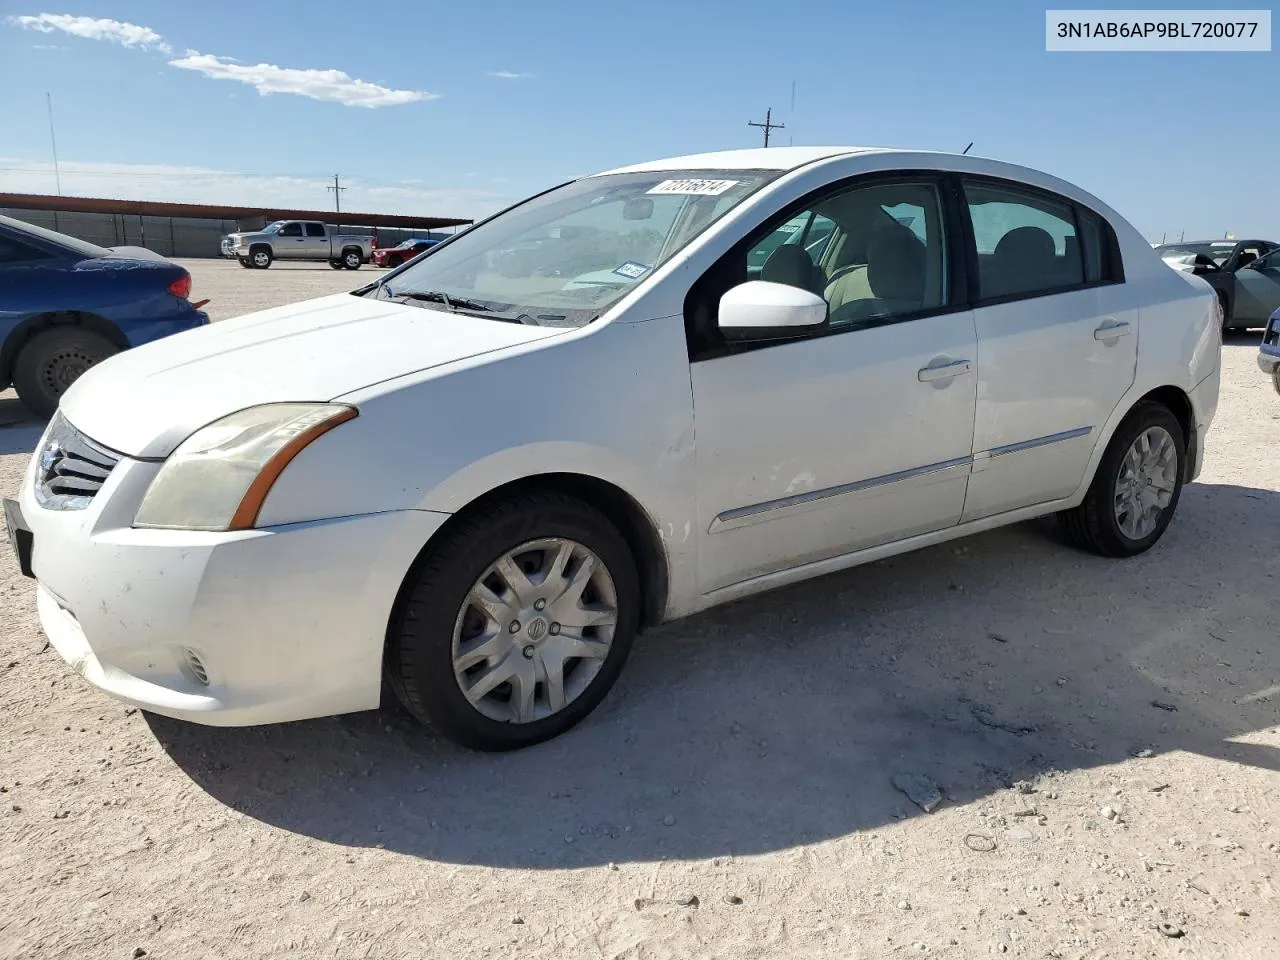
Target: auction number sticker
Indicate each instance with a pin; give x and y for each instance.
(631, 270)
(693, 188)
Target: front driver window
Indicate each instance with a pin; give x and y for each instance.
(872, 252)
(291, 230)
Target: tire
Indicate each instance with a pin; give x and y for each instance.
(435, 608)
(336, 264)
(393, 262)
(244, 262)
(54, 359)
(1226, 310)
(1095, 525)
(260, 258)
(351, 259)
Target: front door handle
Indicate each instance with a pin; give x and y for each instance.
(943, 371)
(1111, 329)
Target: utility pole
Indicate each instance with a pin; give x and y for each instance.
(57, 177)
(337, 192)
(767, 125)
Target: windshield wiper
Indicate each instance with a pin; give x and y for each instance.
(439, 296)
(471, 307)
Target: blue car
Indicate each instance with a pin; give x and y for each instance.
(1269, 352)
(66, 305)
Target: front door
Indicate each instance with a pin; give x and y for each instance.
(1257, 291)
(290, 242)
(1057, 344)
(857, 434)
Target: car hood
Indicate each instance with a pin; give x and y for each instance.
(145, 401)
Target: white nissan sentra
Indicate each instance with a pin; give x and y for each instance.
(624, 400)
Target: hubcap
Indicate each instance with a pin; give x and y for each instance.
(64, 369)
(1145, 485)
(260, 259)
(534, 630)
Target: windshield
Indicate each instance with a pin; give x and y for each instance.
(564, 257)
(272, 227)
(1219, 253)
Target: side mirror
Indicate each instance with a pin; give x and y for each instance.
(760, 310)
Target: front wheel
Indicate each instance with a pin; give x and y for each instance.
(514, 629)
(1136, 488)
(54, 359)
(261, 258)
(351, 259)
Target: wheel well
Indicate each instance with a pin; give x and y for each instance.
(1179, 404)
(28, 328)
(621, 509)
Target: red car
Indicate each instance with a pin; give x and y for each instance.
(394, 256)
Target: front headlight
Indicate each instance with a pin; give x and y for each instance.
(219, 477)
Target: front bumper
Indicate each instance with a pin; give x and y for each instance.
(227, 629)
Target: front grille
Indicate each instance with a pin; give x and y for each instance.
(70, 468)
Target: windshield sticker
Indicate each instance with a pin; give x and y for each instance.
(632, 270)
(693, 188)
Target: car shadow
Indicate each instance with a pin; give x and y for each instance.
(782, 719)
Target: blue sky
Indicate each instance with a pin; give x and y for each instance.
(479, 103)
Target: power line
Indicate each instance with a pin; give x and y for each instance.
(767, 125)
(337, 192)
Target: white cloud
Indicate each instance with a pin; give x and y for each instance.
(193, 184)
(47, 46)
(331, 85)
(509, 75)
(90, 28)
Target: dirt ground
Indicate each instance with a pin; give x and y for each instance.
(1105, 734)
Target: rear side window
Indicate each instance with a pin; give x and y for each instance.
(315, 229)
(1027, 242)
(14, 251)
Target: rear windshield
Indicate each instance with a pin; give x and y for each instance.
(81, 247)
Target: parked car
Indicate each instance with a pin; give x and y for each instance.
(1269, 352)
(1243, 273)
(66, 305)
(394, 256)
(481, 486)
(298, 240)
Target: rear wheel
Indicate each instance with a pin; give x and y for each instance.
(54, 359)
(517, 625)
(260, 257)
(1136, 488)
(351, 259)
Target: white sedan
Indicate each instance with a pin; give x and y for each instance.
(622, 401)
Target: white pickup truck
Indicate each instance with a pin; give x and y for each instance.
(298, 240)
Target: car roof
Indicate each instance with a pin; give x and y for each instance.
(760, 158)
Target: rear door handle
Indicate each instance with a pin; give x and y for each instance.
(943, 371)
(1111, 329)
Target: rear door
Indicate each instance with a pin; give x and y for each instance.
(290, 243)
(1057, 342)
(317, 241)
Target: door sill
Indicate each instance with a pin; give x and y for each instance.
(844, 561)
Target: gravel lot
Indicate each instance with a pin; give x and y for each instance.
(746, 759)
